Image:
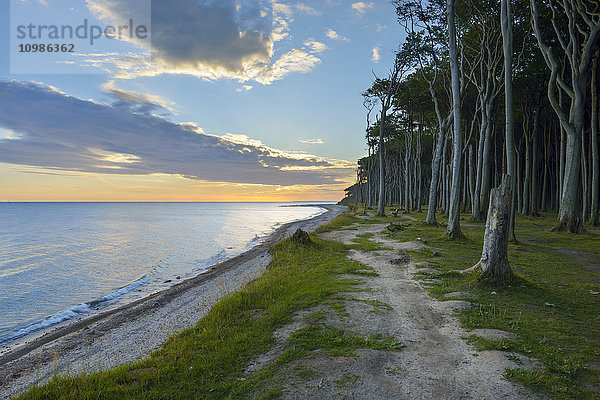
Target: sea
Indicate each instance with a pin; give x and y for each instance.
(64, 261)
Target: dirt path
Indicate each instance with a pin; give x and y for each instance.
(436, 362)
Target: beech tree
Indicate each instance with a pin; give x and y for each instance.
(453, 230)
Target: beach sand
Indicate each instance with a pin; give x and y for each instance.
(133, 331)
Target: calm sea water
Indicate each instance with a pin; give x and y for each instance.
(60, 261)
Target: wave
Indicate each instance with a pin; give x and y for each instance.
(73, 312)
(204, 264)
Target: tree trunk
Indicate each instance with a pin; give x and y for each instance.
(453, 230)
(594, 132)
(519, 185)
(507, 40)
(486, 174)
(380, 201)
(534, 159)
(471, 188)
(563, 146)
(584, 178)
(546, 161)
(527, 181)
(494, 257)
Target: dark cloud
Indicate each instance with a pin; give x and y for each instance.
(214, 33)
(137, 102)
(212, 39)
(61, 132)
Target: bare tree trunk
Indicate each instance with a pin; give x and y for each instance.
(519, 185)
(546, 161)
(418, 162)
(380, 201)
(486, 174)
(479, 169)
(471, 188)
(534, 159)
(444, 176)
(494, 257)
(594, 132)
(563, 149)
(584, 178)
(453, 230)
(507, 40)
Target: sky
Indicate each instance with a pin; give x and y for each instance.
(222, 100)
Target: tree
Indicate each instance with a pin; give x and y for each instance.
(369, 104)
(594, 132)
(507, 46)
(453, 230)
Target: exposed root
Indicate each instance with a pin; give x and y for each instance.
(468, 270)
(570, 226)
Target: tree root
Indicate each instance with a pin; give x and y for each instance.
(573, 227)
(468, 270)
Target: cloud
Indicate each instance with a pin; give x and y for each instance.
(61, 133)
(315, 47)
(307, 10)
(376, 56)
(285, 9)
(209, 39)
(293, 61)
(333, 35)
(245, 88)
(288, 9)
(138, 102)
(311, 141)
(361, 7)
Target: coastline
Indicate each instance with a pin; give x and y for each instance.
(131, 332)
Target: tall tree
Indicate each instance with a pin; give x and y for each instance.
(369, 104)
(453, 230)
(594, 132)
(507, 46)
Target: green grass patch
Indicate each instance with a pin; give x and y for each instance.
(363, 242)
(379, 307)
(208, 360)
(346, 380)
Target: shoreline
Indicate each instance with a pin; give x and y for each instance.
(132, 331)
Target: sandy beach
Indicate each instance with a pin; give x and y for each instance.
(133, 331)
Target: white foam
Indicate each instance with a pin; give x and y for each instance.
(72, 313)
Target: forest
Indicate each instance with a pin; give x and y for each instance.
(483, 91)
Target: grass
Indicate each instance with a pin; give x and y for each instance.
(208, 360)
(550, 306)
(363, 242)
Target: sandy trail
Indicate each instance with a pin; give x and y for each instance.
(132, 332)
(436, 362)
